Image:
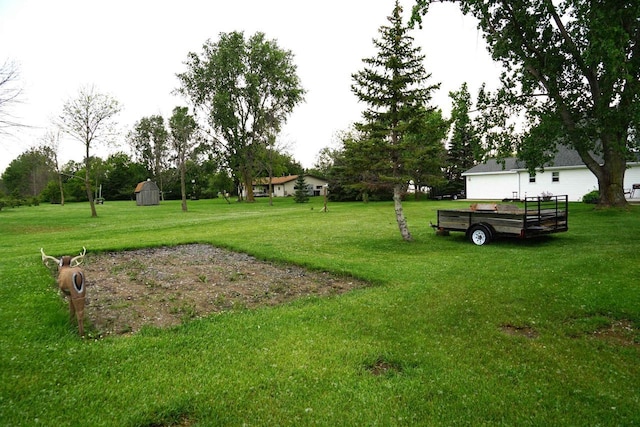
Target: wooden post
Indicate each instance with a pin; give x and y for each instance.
(324, 189)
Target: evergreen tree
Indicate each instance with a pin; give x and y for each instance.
(302, 194)
(393, 84)
(465, 149)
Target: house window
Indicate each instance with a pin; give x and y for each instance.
(555, 177)
(532, 177)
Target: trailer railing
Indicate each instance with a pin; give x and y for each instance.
(545, 213)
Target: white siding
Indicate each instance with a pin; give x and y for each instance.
(632, 176)
(314, 184)
(495, 186)
(572, 181)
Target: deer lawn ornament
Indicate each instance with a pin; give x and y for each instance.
(71, 282)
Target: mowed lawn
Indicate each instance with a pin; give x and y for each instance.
(542, 332)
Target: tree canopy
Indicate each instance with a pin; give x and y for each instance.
(184, 140)
(149, 141)
(88, 118)
(465, 146)
(573, 68)
(246, 89)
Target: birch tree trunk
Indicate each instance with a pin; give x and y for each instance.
(402, 221)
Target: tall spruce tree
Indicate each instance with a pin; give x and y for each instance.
(465, 148)
(393, 84)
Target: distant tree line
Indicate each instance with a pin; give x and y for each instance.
(242, 91)
(32, 178)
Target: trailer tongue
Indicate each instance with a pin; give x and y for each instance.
(482, 222)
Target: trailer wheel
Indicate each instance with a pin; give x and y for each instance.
(480, 235)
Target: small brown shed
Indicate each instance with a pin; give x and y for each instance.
(147, 193)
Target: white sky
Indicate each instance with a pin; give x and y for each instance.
(132, 50)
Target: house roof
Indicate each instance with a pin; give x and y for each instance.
(279, 180)
(276, 180)
(565, 157)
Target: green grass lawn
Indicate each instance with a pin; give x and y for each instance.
(539, 332)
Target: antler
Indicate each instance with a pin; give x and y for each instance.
(78, 259)
(45, 258)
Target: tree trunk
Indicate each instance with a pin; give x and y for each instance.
(61, 189)
(183, 185)
(610, 175)
(611, 184)
(161, 187)
(87, 185)
(248, 185)
(402, 222)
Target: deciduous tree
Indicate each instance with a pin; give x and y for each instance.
(246, 90)
(28, 174)
(183, 140)
(121, 175)
(51, 140)
(88, 118)
(573, 67)
(9, 94)
(149, 140)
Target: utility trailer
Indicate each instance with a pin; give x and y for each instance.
(482, 222)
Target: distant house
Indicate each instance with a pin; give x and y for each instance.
(284, 186)
(567, 174)
(147, 193)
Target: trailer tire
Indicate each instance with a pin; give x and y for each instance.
(480, 235)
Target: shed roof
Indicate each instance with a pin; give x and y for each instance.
(149, 184)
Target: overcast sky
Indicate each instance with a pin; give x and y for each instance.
(132, 50)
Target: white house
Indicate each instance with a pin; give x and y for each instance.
(566, 175)
(283, 186)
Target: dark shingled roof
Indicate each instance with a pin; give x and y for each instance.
(564, 157)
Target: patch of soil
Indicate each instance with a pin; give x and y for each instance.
(382, 366)
(166, 286)
(524, 331)
(621, 332)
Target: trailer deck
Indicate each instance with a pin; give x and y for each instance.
(484, 221)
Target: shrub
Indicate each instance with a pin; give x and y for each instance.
(592, 197)
(301, 195)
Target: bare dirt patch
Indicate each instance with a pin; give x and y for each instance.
(621, 332)
(523, 331)
(166, 286)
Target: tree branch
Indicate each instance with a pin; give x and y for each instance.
(588, 72)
